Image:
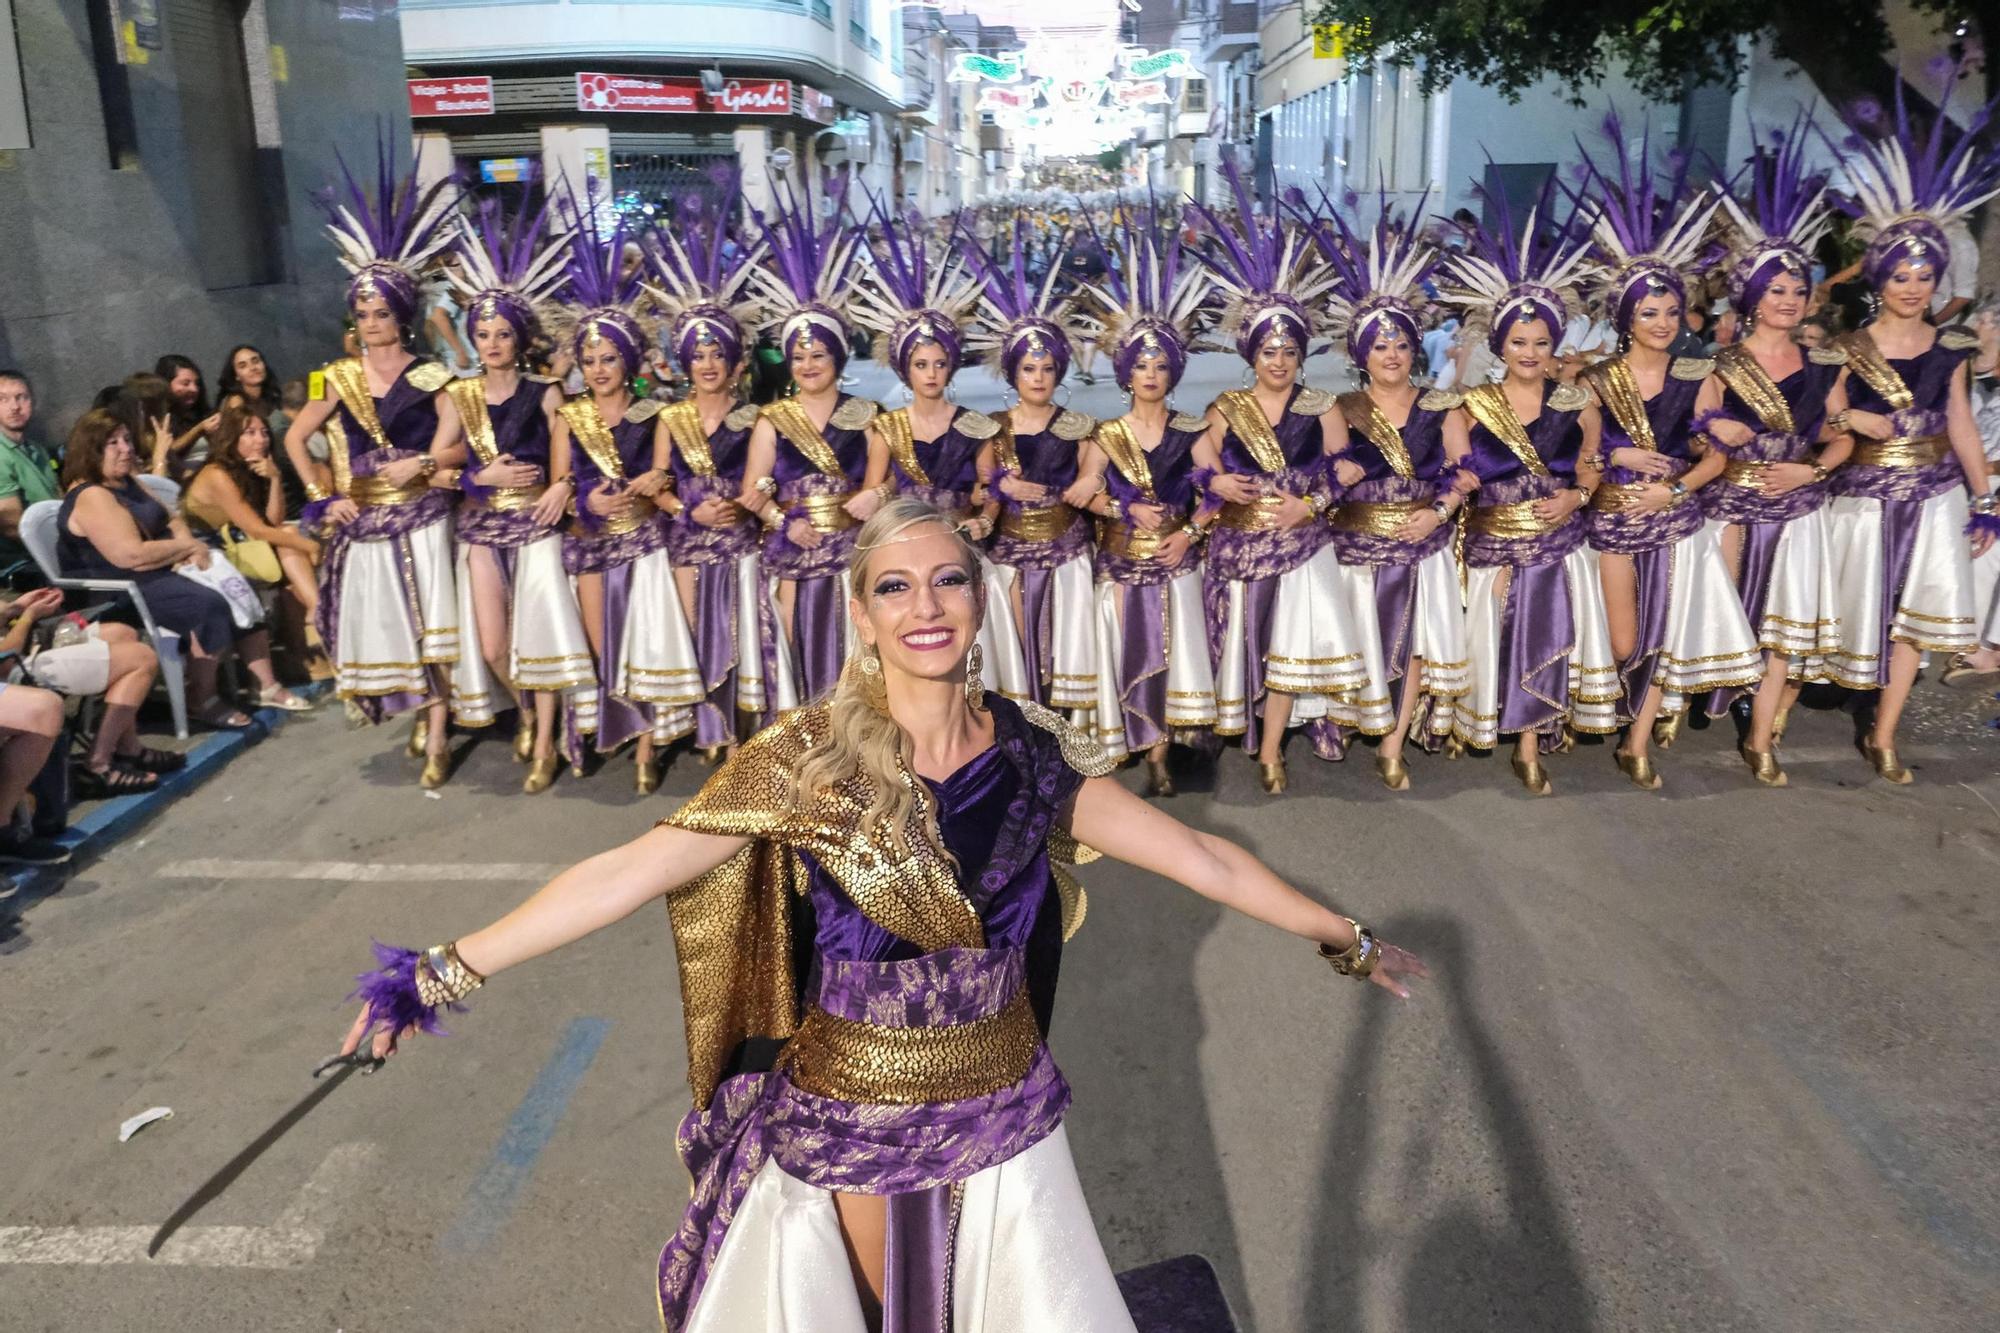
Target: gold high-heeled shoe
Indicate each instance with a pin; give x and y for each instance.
(711, 755)
(1273, 777)
(1763, 766)
(541, 774)
(1778, 727)
(648, 780)
(524, 739)
(1639, 768)
(1887, 766)
(1454, 748)
(1533, 776)
(420, 738)
(437, 771)
(1159, 782)
(1667, 729)
(1395, 773)
(1567, 741)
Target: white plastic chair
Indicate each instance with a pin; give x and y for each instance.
(165, 490)
(38, 534)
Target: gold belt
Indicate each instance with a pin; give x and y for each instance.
(1617, 498)
(1260, 515)
(1376, 518)
(824, 512)
(1903, 451)
(1516, 519)
(1122, 539)
(1037, 525)
(371, 490)
(627, 520)
(870, 1063)
(1742, 472)
(510, 499)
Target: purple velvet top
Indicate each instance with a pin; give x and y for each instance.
(1298, 435)
(690, 543)
(409, 420)
(1423, 439)
(635, 454)
(1171, 462)
(520, 431)
(728, 449)
(850, 447)
(1046, 459)
(995, 814)
(950, 461)
(1671, 413)
(1557, 437)
(1928, 376)
(1804, 392)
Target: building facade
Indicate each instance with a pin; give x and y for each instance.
(156, 180)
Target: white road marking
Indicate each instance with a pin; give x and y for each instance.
(290, 1242)
(368, 872)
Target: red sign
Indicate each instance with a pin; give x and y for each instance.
(812, 104)
(654, 96)
(465, 95)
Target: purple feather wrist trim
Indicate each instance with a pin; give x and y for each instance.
(1988, 524)
(1201, 477)
(390, 992)
(1703, 420)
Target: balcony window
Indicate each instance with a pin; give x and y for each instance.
(823, 11)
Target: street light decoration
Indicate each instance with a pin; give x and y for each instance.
(920, 293)
(511, 268)
(389, 242)
(700, 271)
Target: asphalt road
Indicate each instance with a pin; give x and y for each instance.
(1709, 1058)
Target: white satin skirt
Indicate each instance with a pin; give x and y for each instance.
(546, 646)
(1936, 612)
(395, 621)
(1801, 618)
(1003, 662)
(1593, 671)
(755, 694)
(1027, 1258)
(1437, 636)
(1072, 633)
(1314, 653)
(1190, 678)
(1709, 644)
(656, 662)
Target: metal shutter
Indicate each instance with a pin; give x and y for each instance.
(219, 137)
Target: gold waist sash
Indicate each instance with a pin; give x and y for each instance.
(824, 512)
(1122, 539)
(1037, 525)
(1517, 519)
(509, 499)
(1741, 472)
(371, 490)
(1260, 515)
(1904, 451)
(867, 1062)
(627, 520)
(1376, 518)
(1617, 498)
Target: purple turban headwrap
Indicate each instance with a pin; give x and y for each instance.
(816, 323)
(1372, 317)
(1753, 275)
(1275, 316)
(615, 326)
(498, 303)
(707, 325)
(1146, 336)
(1522, 304)
(1911, 241)
(1029, 336)
(1638, 282)
(391, 283)
(916, 329)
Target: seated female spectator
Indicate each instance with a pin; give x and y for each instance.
(110, 528)
(30, 722)
(81, 660)
(238, 490)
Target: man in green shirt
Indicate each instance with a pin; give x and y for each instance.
(27, 475)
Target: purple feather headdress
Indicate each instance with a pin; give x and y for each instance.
(388, 241)
(1784, 216)
(701, 269)
(1905, 189)
(1512, 274)
(1016, 319)
(1263, 265)
(1650, 229)
(921, 293)
(602, 304)
(809, 274)
(1377, 280)
(1150, 296)
(510, 268)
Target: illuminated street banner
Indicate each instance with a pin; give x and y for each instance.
(1140, 92)
(463, 95)
(970, 67)
(1007, 99)
(1160, 65)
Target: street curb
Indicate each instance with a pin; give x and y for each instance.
(96, 832)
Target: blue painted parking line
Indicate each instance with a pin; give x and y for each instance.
(492, 1197)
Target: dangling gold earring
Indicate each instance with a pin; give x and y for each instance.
(873, 688)
(975, 688)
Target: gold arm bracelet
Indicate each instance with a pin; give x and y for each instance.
(1357, 959)
(443, 977)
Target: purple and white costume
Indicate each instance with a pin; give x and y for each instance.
(1041, 567)
(815, 472)
(867, 1022)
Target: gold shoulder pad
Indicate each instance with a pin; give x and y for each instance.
(976, 425)
(853, 414)
(1569, 398)
(1072, 426)
(1691, 368)
(1833, 355)
(1187, 421)
(1957, 339)
(741, 418)
(644, 409)
(1441, 400)
(430, 376)
(1079, 751)
(1313, 402)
